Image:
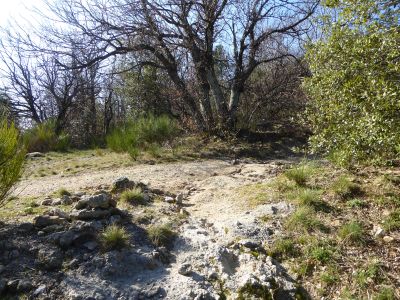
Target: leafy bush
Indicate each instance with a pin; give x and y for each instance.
(42, 138)
(145, 133)
(12, 157)
(354, 86)
(114, 237)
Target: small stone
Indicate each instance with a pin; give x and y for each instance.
(169, 199)
(26, 227)
(90, 214)
(56, 202)
(90, 245)
(97, 201)
(2, 268)
(50, 259)
(12, 285)
(46, 202)
(73, 263)
(13, 254)
(115, 219)
(185, 269)
(66, 200)
(44, 221)
(388, 239)
(39, 290)
(378, 232)
(3, 285)
(252, 245)
(122, 183)
(179, 199)
(34, 154)
(24, 286)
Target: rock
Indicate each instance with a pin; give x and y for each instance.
(169, 199)
(73, 263)
(44, 221)
(91, 245)
(378, 231)
(179, 199)
(122, 183)
(90, 214)
(115, 219)
(47, 202)
(24, 286)
(3, 285)
(59, 213)
(39, 290)
(13, 254)
(34, 155)
(96, 201)
(53, 228)
(66, 239)
(253, 245)
(50, 259)
(26, 227)
(2, 268)
(66, 200)
(12, 285)
(56, 202)
(388, 239)
(185, 269)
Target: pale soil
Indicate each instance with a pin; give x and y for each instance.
(213, 196)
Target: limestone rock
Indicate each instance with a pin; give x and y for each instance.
(50, 259)
(44, 221)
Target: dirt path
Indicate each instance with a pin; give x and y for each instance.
(209, 255)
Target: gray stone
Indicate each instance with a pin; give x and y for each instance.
(47, 202)
(90, 214)
(12, 285)
(91, 245)
(179, 199)
(26, 227)
(24, 286)
(53, 228)
(50, 259)
(13, 254)
(253, 245)
(3, 285)
(115, 219)
(185, 269)
(66, 239)
(122, 183)
(39, 290)
(169, 199)
(44, 221)
(34, 154)
(96, 201)
(56, 202)
(2, 268)
(66, 200)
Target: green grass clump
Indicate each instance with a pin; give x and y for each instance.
(299, 175)
(133, 196)
(304, 218)
(145, 133)
(114, 237)
(356, 203)
(385, 293)
(321, 253)
(392, 222)
(161, 235)
(368, 274)
(344, 188)
(63, 192)
(352, 232)
(330, 276)
(283, 248)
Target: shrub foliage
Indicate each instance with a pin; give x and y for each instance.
(354, 86)
(12, 157)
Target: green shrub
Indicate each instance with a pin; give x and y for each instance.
(161, 235)
(133, 196)
(352, 232)
(114, 237)
(145, 133)
(354, 90)
(42, 138)
(12, 157)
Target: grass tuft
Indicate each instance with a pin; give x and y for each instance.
(63, 192)
(344, 188)
(352, 232)
(134, 196)
(161, 235)
(392, 222)
(299, 175)
(114, 237)
(304, 218)
(283, 248)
